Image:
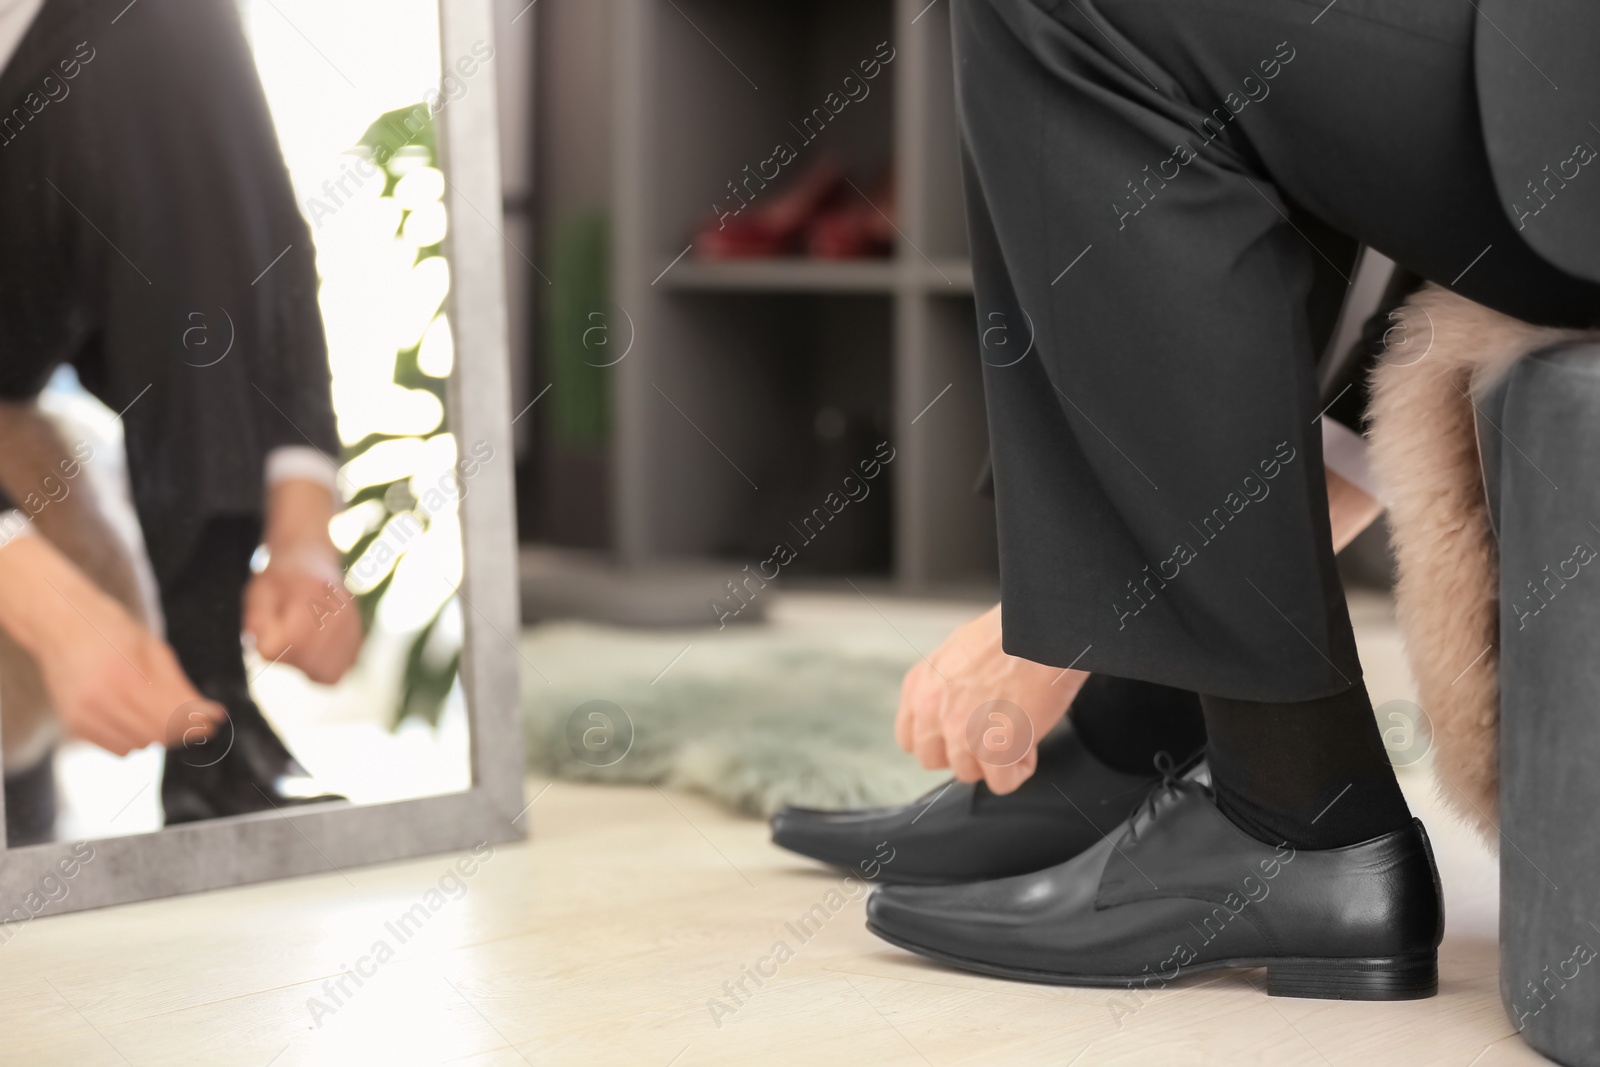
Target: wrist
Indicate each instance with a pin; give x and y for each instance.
(295, 543)
(298, 513)
(320, 561)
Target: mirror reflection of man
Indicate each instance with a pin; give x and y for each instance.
(143, 196)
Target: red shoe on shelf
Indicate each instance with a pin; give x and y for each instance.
(858, 226)
(775, 226)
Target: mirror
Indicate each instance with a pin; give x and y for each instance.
(253, 443)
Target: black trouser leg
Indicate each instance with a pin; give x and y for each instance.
(1132, 171)
(204, 601)
(1142, 303)
(1157, 471)
(243, 766)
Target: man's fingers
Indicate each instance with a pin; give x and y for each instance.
(932, 703)
(270, 640)
(264, 617)
(101, 727)
(905, 727)
(186, 720)
(930, 752)
(175, 708)
(151, 713)
(133, 725)
(963, 761)
(196, 725)
(929, 742)
(259, 599)
(903, 732)
(303, 621)
(1009, 778)
(129, 696)
(324, 656)
(310, 625)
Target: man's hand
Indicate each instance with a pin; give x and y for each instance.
(1350, 509)
(298, 609)
(112, 681)
(300, 613)
(942, 694)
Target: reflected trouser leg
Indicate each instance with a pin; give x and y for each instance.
(204, 601)
(244, 766)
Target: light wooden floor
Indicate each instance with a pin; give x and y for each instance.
(604, 939)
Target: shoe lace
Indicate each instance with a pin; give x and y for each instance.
(1172, 784)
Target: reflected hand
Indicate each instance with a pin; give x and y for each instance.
(941, 694)
(112, 682)
(300, 613)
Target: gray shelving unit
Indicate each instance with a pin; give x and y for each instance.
(751, 386)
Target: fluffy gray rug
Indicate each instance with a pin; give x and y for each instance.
(799, 710)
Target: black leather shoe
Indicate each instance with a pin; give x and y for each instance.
(963, 832)
(31, 803)
(242, 767)
(1180, 890)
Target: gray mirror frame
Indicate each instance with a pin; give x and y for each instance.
(324, 838)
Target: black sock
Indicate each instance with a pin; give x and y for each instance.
(1124, 723)
(1313, 774)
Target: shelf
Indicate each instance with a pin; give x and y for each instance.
(944, 276)
(783, 372)
(785, 275)
(798, 275)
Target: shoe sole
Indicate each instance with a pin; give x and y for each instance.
(887, 876)
(925, 880)
(1411, 977)
(936, 881)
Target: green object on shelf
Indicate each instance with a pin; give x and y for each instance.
(584, 333)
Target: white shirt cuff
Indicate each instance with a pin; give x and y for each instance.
(1345, 453)
(14, 524)
(301, 462)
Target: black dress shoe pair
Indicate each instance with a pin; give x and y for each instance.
(1172, 890)
(242, 767)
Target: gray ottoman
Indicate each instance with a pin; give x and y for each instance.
(1540, 436)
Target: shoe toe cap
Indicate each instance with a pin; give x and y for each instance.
(930, 919)
(821, 835)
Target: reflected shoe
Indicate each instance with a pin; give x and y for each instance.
(242, 767)
(1180, 890)
(31, 803)
(964, 832)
